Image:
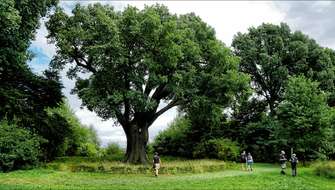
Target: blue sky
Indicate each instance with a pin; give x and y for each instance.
(314, 18)
(40, 61)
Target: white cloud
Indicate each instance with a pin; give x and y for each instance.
(41, 40)
(314, 18)
(226, 17)
(107, 130)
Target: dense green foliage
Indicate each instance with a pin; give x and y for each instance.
(174, 140)
(22, 93)
(70, 137)
(137, 59)
(38, 132)
(112, 152)
(63, 135)
(32, 103)
(271, 53)
(223, 149)
(305, 120)
(183, 139)
(25, 95)
(258, 138)
(292, 79)
(18, 147)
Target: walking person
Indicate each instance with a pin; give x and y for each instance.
(156, 163)
(294, 162)
(282, 161)
(250, 161)
(243, 160)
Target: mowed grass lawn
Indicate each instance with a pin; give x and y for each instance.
(265, 176)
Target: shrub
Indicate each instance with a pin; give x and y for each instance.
(56, 130)
(326, 169)
(18, 147)
(113, 149)
(173, 141)
(77, 140)
(258, 139)
(112, 152)
(88, 149)
(223, 149)
(150, 149)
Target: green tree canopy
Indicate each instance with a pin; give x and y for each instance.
(305, 119)
(22, 93)
(271, 53)
(24, 96)
(137, 59)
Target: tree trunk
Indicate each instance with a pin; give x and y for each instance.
(137, 139)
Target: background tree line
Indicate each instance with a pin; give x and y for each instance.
(273, 90)
(35, 122)
(290, 104)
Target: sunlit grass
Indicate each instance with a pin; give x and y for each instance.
(264, 177)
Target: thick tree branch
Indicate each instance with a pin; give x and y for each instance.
(126, 100)
(88, 63)
(160, 92)
(148, 87)
(84, 65)
(120, 118)
(172, 104)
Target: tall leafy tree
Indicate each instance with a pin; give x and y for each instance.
(270, 53)
(24, 96)
(138, 59)
(23, 93)
(305, 120)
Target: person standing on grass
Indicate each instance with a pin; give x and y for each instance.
(294, 161)
(243, 160)
(250, 161)
(156, 163)
(282, 161)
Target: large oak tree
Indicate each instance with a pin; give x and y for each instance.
(138, 59)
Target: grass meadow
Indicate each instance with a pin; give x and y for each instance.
(178, 175)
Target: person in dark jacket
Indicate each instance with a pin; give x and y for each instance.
(156, 163)
(294, 162)
(250, 162)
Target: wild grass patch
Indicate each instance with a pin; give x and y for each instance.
(170, 167)
(326, 169)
